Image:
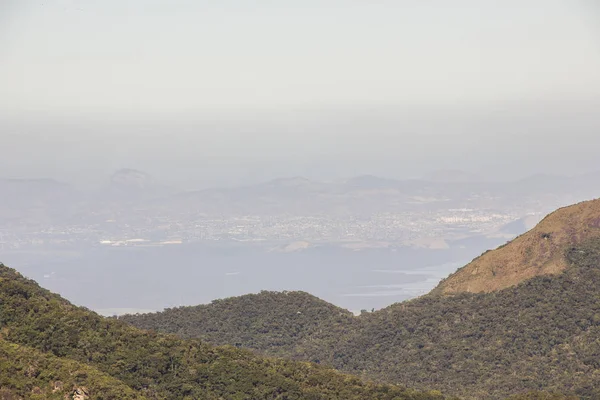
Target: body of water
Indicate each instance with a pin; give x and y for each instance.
(127, 279)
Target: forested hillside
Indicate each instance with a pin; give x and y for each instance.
(540, 334)
(45, 340)
(279, 323)
(27, 373)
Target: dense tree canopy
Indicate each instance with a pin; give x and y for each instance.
(44, 333)
(540, 335)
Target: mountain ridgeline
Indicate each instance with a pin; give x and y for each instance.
(521, 318)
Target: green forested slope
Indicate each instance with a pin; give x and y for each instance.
(159, 366)
(26, 373)
(543, 334)
(278, 322)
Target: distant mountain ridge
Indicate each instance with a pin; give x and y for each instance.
(360, 195)
(369, 194)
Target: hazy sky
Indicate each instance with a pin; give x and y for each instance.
(231, 90)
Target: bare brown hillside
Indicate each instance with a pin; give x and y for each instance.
(537, 252)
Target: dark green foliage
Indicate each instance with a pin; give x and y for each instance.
(543, 334)
(281, 322)
(27, 373)
(159, 366)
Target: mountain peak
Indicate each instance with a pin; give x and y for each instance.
(131, 179)
(541, 251)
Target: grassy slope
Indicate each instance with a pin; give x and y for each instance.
(537, 252)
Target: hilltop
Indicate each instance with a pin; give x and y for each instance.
(541, 251)
(48, 343)
(280, 322)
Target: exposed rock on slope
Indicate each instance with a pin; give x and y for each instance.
(541, 251)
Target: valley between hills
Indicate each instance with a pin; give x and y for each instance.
(519, 322)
